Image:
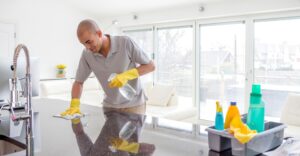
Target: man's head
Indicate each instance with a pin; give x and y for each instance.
(90, 35)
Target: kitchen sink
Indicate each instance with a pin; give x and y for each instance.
(9, 146)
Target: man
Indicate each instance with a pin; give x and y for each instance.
(104, 55)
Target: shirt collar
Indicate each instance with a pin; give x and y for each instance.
(112, 49)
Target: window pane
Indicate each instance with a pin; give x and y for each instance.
(222, 67)
(144, 38)
(277, 61)
(175, 68)
(174, 57)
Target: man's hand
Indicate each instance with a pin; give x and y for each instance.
(121, 79)
(73, 109)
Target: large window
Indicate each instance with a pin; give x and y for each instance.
(222, 67)
(175, 59)
(217, 61)
(174, 68)
(277, 61)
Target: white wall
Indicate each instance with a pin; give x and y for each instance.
(214, 9)
(48, 28)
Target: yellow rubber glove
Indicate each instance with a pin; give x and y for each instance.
(124, 145)
(240, 130)
(121, 79)
(73, 109)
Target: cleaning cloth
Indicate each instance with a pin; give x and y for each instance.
(71, 117)
(240, 130)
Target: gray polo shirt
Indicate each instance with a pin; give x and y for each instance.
(124, 54)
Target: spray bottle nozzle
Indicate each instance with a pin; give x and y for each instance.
(219, 107)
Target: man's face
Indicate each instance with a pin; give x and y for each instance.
(91, 40)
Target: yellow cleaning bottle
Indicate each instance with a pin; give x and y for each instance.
(231, 113)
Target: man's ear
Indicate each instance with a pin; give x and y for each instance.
(99, 33)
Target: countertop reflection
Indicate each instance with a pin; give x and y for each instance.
(101, 132)
(104, 133)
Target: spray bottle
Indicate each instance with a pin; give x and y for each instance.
(219, 121)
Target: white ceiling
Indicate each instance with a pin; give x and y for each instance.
(108, 8)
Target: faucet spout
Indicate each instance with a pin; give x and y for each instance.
(15, 59)
(28, 115)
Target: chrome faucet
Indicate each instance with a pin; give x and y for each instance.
(26, 114)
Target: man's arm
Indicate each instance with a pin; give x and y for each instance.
(77, 90)
(122, 78)
(137, 55)
(146, 68)
(75, 102)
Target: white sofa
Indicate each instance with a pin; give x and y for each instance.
(61, 89)
(162, 99)
(164, 102)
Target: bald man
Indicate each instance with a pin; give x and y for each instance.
(103, 55)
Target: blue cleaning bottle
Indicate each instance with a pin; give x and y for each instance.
(256, 112)
(219, 120)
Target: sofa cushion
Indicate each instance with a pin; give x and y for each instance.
(173, 100)
(181, 114)
(92, 97)
(160, 95)
(54, 87)
(91, 84)
(64, 97)
(183, 110)
(158, 111)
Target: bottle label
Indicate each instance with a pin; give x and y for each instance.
(257, 106)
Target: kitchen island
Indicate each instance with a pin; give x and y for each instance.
(94, 134)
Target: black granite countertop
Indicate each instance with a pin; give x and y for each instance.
(98, 132)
